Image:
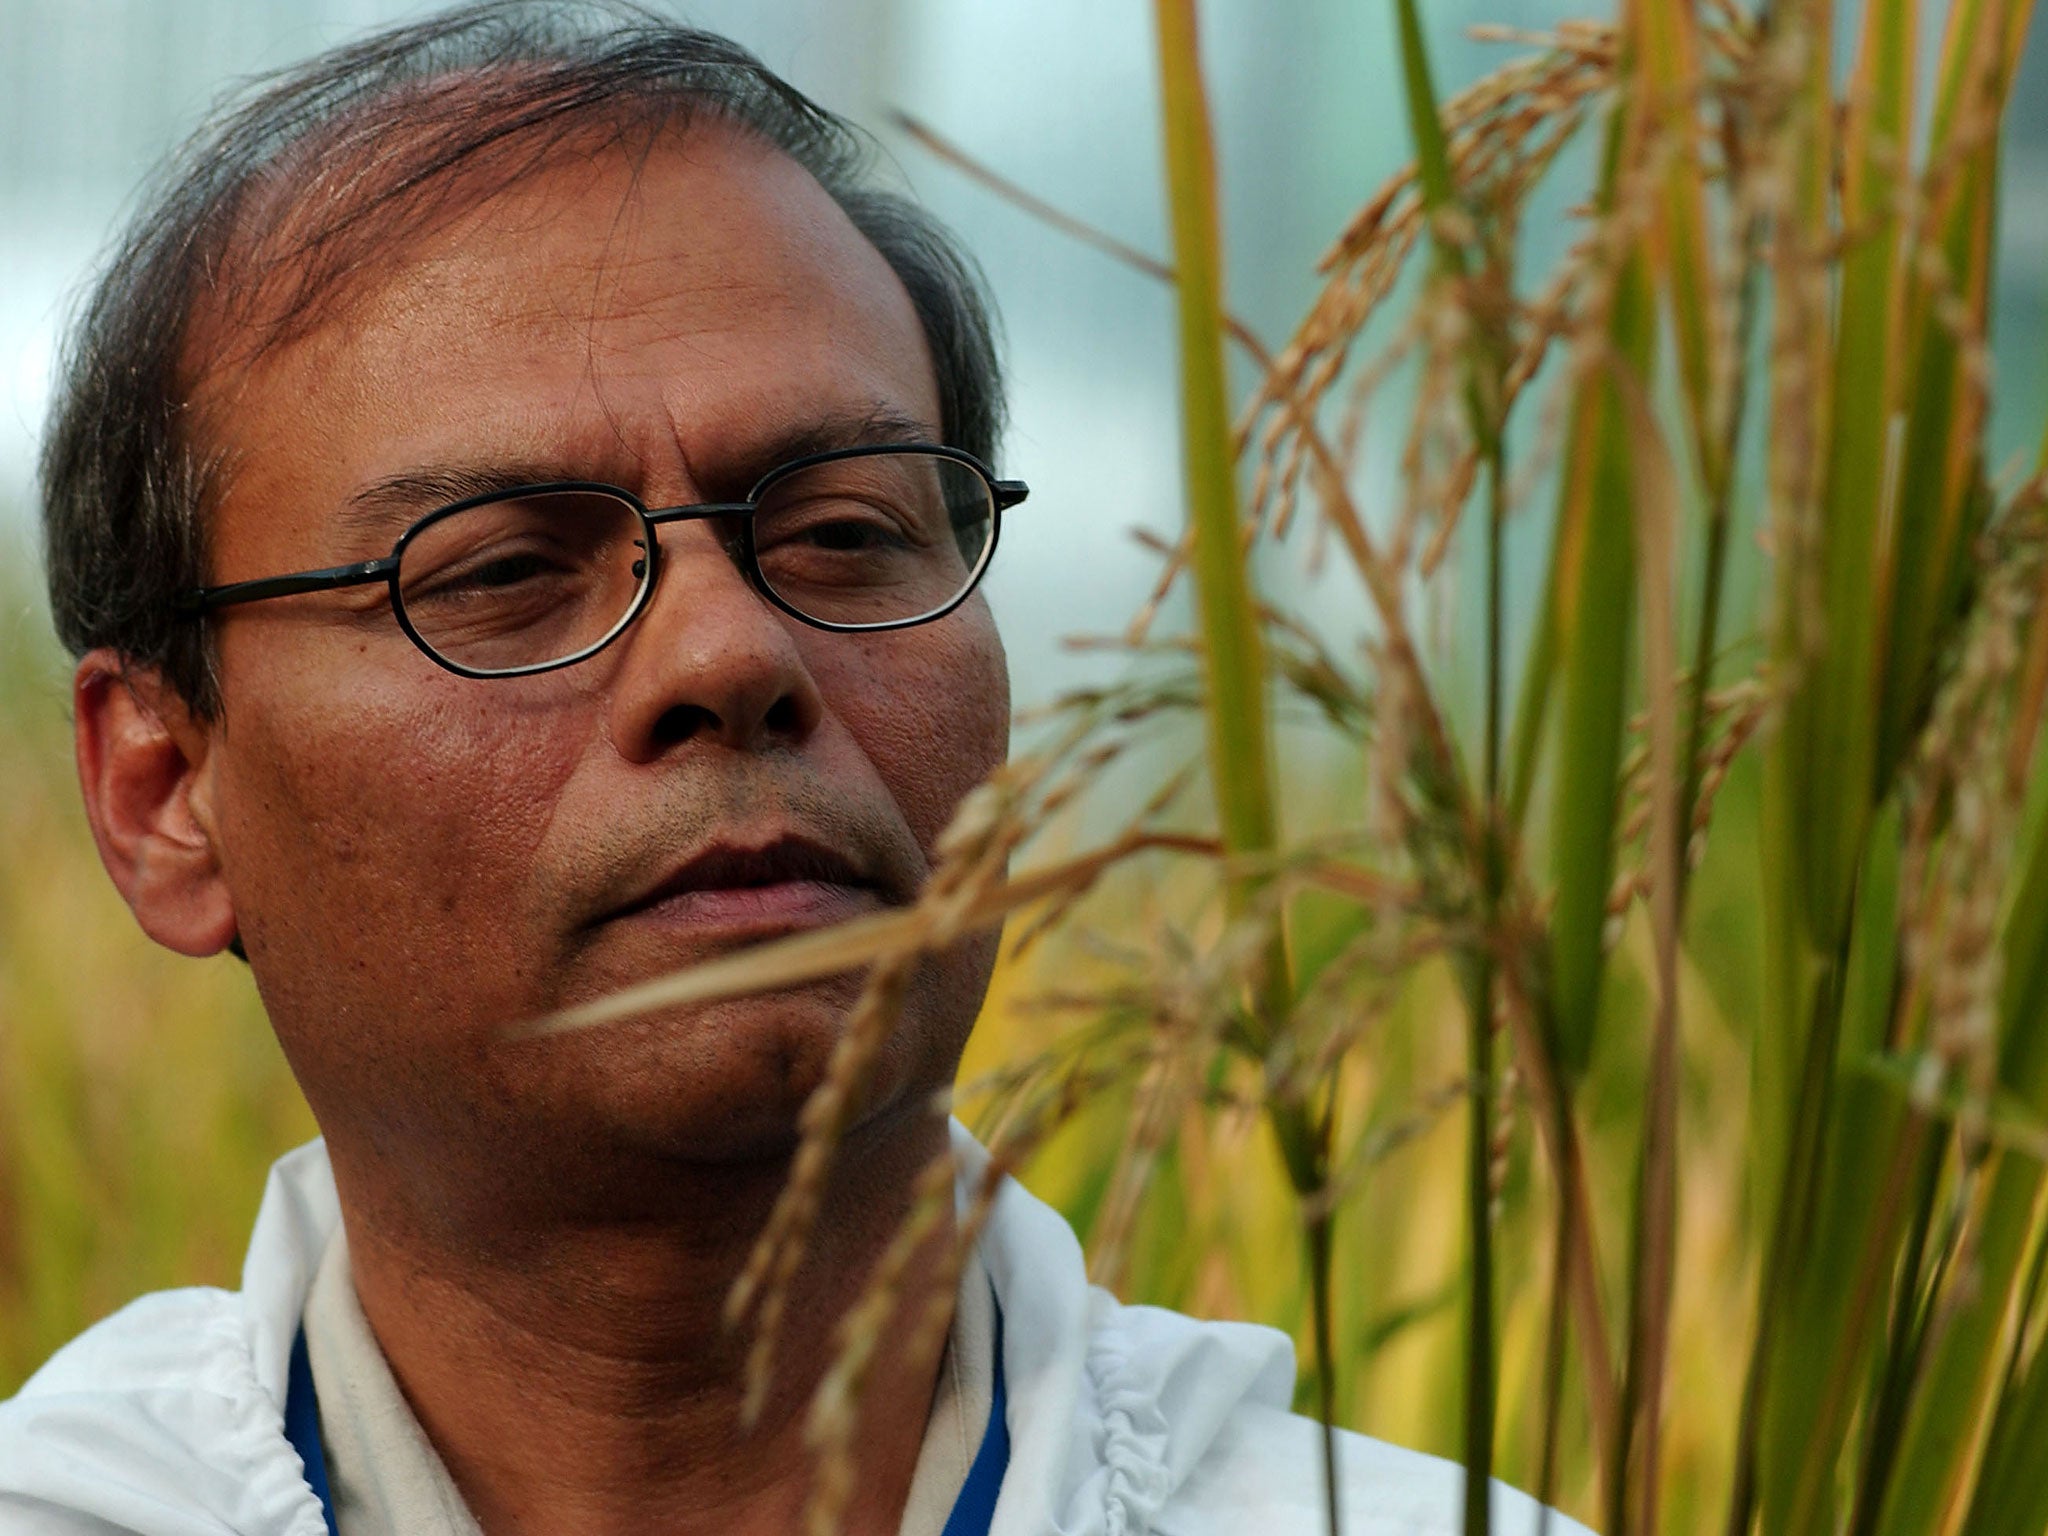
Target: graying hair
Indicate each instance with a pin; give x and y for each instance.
(375, 130)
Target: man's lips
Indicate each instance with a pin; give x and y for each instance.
(784, 883)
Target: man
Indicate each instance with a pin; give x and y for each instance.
(516, 502)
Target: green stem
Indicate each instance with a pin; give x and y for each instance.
(1479, 1374)
(1618, 1509)
(2030, 1297)
(1796, 1197)
(1319, 1266)
(1721, 497)
(1481, 1389)
(1903, 1354)
(1810, 1491)
(1703, 670)
(1425, 125)
(1554, 1345)
(1232, 647)
(1496, 523)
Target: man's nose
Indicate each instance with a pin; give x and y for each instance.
(710, 660)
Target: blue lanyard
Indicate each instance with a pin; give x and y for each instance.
(973, 1512)
(302, 1428)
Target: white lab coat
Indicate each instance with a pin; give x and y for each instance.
(167, 1418)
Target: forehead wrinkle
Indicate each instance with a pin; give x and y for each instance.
(631, 280)
(634, 277)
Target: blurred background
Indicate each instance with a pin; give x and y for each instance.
(140, 1094)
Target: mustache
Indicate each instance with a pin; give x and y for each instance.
(754, 807)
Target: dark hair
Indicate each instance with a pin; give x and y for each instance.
(300, 183)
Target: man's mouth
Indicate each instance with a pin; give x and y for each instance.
(734, 891)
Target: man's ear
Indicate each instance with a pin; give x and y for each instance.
(144, 762)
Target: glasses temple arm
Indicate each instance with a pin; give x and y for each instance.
(361, 573)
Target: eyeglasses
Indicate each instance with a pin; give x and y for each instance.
(541, 576)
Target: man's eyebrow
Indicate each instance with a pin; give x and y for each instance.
(383, 503)
(386, 502)
(878, 425)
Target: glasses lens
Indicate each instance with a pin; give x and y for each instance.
(523, 581)
(878, 538)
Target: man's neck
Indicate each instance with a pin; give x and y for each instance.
(583, 1379)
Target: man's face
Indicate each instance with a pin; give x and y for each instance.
(418, 859)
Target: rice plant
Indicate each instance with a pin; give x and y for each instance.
(1772, 318)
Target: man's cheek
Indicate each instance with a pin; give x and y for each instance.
(967, 709)
(941, 722)
(402, 825)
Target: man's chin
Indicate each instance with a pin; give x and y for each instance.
(721, 1083)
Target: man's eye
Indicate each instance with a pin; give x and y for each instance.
(850, 535)
(504, 571)
(484, 574)
(839, 527)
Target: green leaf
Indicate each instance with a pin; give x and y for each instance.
(2023, 997)
(1666, 35)
(1833, 1313)
(1832, 1310)
(1961, 1373)
(1591, 608)
(1942, 500)
(1595, 610)
(1871, 976)
(1794, 1057)
(1835, 714)
(2012, 1495)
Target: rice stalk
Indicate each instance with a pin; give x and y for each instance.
(1474, 357)
(1657, 1195)
(1233, 657)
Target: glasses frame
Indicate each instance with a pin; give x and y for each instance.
(1003, 494)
